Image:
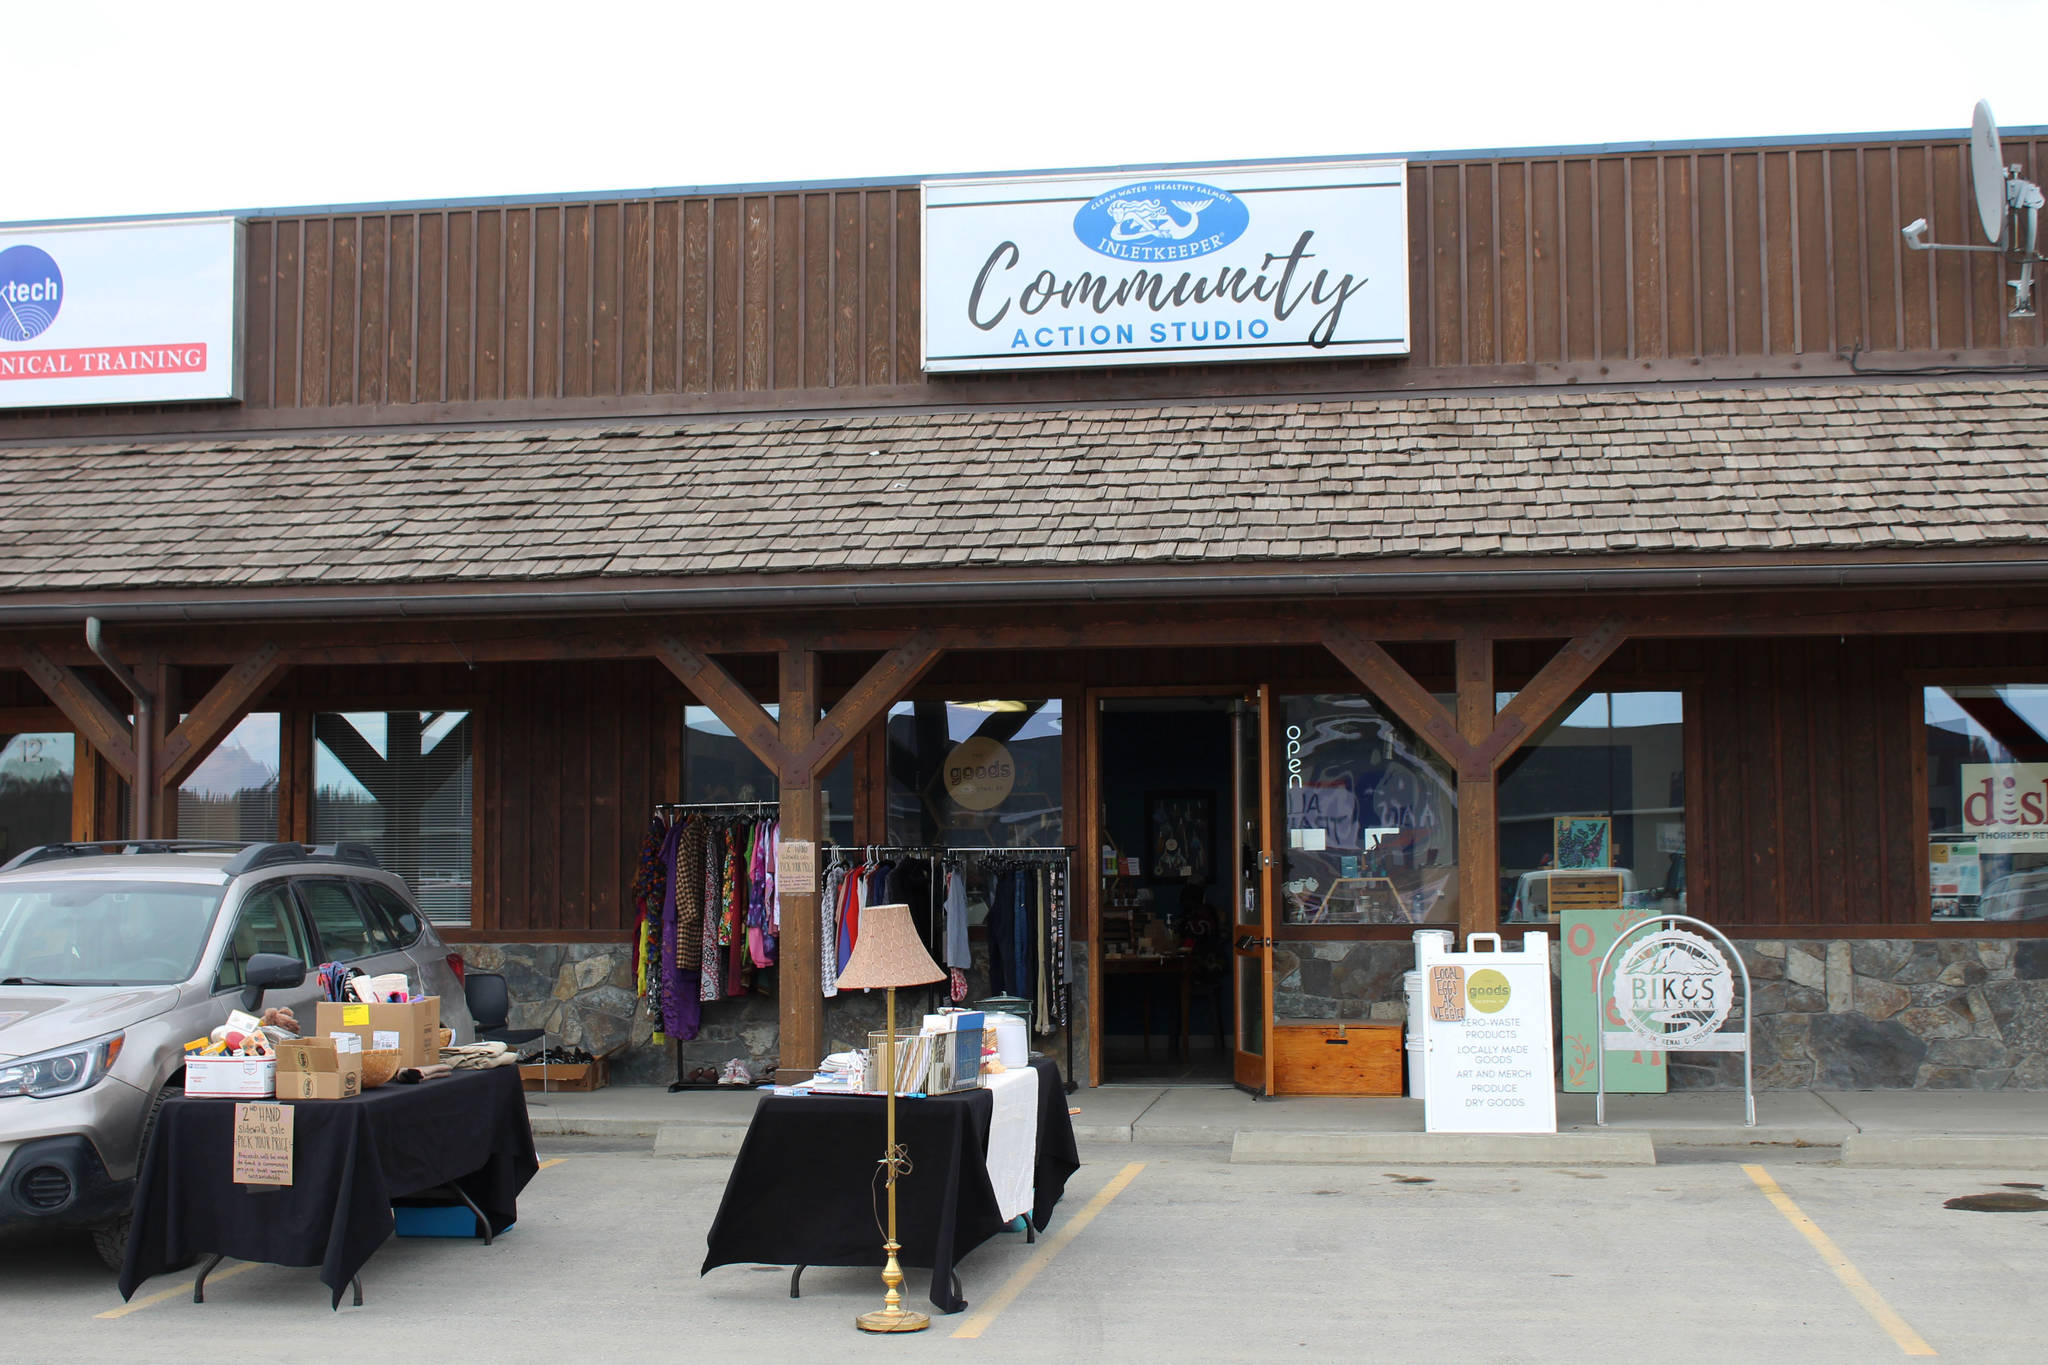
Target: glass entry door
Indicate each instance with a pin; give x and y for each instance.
(1251, 960)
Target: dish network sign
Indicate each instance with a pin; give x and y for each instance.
(2005, 806)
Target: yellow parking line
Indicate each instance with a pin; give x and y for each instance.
(1895, 1327)
(183, 1290)
(551, 1161)
(1051, 1247)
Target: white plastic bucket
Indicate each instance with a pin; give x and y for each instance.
(1418, 1001)
(1444, 938)
(1013, 1045)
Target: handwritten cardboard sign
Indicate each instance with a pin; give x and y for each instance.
(796, 866)
(263, 1144)
(1447, 993)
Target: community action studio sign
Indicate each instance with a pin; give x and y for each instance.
(1284, 262)
(119, 313)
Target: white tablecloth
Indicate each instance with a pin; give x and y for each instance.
(1013, 1138)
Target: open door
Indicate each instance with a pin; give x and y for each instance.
(1252, 917)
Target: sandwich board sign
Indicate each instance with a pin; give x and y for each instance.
(1486, 1037)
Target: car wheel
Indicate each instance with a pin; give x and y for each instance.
(111, 1240)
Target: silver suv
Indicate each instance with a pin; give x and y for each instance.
(113, 956)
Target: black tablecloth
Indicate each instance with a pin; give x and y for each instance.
(350, 1159)
(806, 1187)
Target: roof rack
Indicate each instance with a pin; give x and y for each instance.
(247, 856)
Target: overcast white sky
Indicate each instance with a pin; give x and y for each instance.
(118, 107)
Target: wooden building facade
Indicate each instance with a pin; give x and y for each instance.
(1689, 422)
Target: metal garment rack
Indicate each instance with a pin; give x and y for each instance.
(1065, 856)
(672, 809)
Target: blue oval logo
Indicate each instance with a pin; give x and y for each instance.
(1161, 221)
(31, 292)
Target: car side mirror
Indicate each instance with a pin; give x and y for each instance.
(268, 971)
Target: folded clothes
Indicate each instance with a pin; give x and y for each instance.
(478, 1056)
(412, 1075)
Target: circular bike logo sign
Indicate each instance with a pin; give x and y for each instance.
(31, 292)
(1673, 989)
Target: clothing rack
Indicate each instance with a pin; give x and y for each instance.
(939, 852)
(671, 809)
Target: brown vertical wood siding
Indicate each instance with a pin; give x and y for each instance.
(1614, 265)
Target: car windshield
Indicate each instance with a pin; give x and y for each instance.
(64, 933)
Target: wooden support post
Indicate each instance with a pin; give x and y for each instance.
(1478, 824)
(1475, 741)
(802, 998)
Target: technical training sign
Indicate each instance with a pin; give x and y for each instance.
(1283, 263)
(119, 313)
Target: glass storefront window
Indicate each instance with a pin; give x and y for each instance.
(1371, 818)
(400, 781)
(1987, 801)
(1600, 787)
(232, 794)
(718, 768)
(975, 774)
(35, 790)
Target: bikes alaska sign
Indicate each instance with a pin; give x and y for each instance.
(1069, 271)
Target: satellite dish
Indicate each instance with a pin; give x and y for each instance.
(1987, 172)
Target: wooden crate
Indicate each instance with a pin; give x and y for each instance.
(1337, 1058)
(574, 1076)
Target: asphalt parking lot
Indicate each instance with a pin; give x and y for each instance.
(1160, 1253)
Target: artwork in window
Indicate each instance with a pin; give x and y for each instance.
(1181, 837)
(1580, 841)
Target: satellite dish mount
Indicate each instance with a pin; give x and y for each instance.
(2008, 209)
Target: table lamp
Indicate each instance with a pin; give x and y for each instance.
(889, 954)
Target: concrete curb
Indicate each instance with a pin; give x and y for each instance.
(549, 1125)
(1944, 1150)
(1447, 1149)
(699, 1139)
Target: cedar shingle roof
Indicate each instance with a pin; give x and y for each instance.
(1930, 465)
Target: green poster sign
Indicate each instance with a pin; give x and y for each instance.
(1587, 935)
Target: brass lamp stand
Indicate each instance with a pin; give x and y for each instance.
(887, 955)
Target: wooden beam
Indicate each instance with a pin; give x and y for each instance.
(103, 727)
(891, 676)
(1533, 706)
(801, 1012)
(217, 713)
(1393, 687)
(711, 684)
(1478, 796)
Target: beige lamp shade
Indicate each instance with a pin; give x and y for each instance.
(888, 953)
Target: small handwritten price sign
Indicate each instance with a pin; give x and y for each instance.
(263, 1144)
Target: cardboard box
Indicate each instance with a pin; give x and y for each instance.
(315, 1069)
(414, 1028)
(236, 1077)
(565, 1075)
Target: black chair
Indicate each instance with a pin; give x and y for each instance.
(490, 1005)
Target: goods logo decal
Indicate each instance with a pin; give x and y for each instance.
(1673, 989)
(1161, 220)
(31, 292)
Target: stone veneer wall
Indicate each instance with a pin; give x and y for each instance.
(1846, 1014)
(582, 994)
(1852, 1014)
